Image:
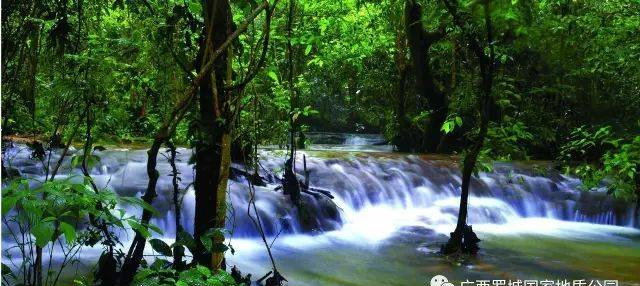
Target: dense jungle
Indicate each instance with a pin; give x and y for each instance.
(320, 142)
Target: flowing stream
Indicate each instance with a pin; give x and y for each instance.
(390, 214)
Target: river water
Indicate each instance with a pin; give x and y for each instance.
(393, 213)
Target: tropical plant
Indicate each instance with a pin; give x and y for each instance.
(61, 217)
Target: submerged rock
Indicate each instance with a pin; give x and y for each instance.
(99, 148)
(318, 213)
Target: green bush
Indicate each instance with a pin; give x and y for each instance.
(158, 275)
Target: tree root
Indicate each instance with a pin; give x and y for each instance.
(237, 276)
(462, 241)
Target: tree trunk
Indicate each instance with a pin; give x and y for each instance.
(403, 138)
(178, 252)
(419, 43)
(38, 267)
(221, 200)
(290, 184)
(637, 211)
(213, 145)
(136, 250)
(290, 71)
(463, 239)
(32, 68)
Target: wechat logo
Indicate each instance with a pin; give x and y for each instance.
(440, 280)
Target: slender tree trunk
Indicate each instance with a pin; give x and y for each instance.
(136, 250)
(38, 266)
(403, 139)
(292, 97)
(32, 68)
(463, 239)
(13, 82)
(177, 208)
(637, 211)
(291, 186)
(217, 258)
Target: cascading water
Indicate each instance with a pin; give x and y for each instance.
(377, 196)
(361, 184)
(342, 141)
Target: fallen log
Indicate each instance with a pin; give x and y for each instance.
(317, 192)
(254, 178)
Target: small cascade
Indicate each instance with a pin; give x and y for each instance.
(364, 139)
(347, 142)
(373, 192)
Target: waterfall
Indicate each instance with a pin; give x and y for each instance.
(374, 192)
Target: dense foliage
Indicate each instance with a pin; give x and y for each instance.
(553, 79)
(71, 216)
(563, 64)
(197, 276)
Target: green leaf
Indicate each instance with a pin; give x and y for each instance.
(69, 232)
(213, 240)
(159, 264)
(203, 270)
(219, 247)
(195, 7)
(7, 271)
(155, 229)
(447, 126)
(192, 277)
(215, 233)
(43, 232)
(307, 50)
(139, 228)
(184, 238)
(225, 277)
(8, 203)
(142, 274)
(206, 242)
(213, 281)
(160, 247)
(141, 203)
(273, 76)
(76, 161)
(92, 160)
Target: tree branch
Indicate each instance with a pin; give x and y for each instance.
(265, 48)
(136, 250)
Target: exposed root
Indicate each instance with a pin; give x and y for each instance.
(462, 241)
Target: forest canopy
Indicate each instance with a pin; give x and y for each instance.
(564, 70)
(562, 65)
